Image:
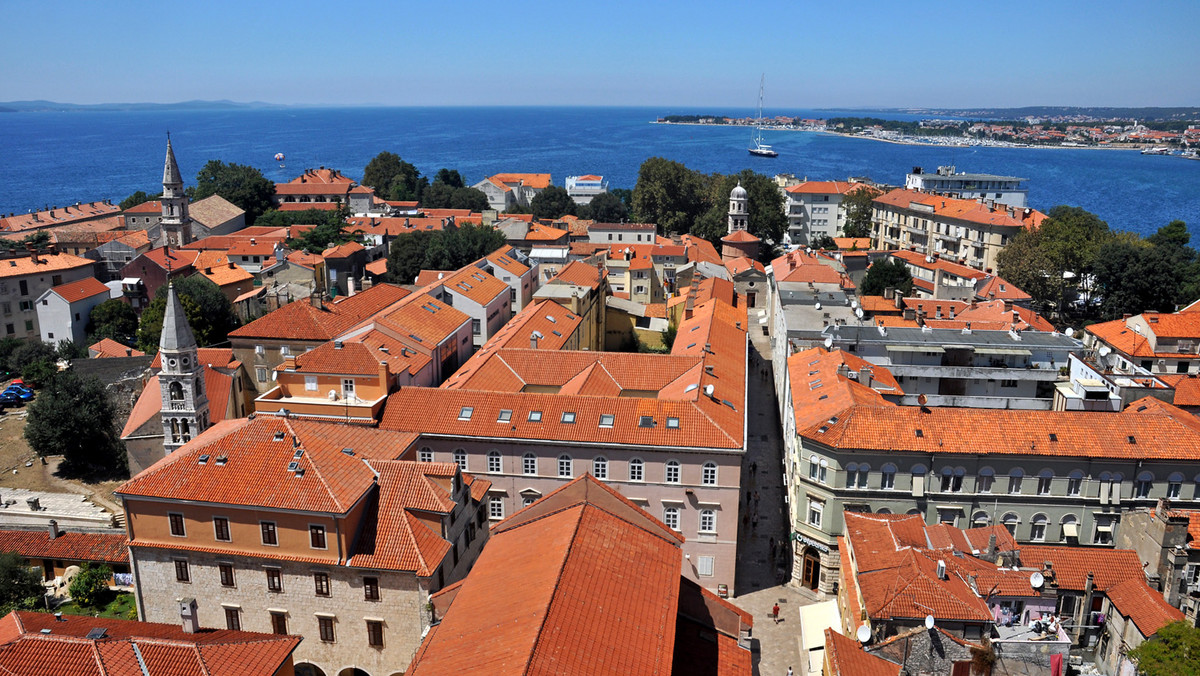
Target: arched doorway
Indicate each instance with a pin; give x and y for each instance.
(352, 671)
(306, 669)
(811, 568)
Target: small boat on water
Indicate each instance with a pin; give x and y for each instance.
(1156, 151)
(759, 148)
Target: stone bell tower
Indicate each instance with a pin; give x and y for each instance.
(184, 401)
(176, 223)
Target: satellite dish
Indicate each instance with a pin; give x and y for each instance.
(858, 312)
(1036, 580)
(929, 621)
(853, 303)
(863, 634)
(828, 342)
(1105, 351)
(818, 306)
(1069, 332)
(929, 259)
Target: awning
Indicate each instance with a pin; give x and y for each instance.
(915, 348)
(1003, 350)
(1104, 527)
(1071, 530)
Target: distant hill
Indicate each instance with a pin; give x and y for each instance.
(54, 106)
(1148, 114)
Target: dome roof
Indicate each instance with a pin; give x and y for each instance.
(739, 193)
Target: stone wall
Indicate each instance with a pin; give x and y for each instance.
(922, 651)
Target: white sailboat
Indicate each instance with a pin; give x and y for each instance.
(759, 148)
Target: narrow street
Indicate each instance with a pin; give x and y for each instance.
(764, 558)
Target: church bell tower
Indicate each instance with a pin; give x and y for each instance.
(184, 401)
(176, 223)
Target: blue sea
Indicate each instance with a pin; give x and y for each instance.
(60, 158)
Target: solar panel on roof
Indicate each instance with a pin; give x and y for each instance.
(97, 633)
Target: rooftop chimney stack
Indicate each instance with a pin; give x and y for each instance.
(53, 525)
(189, 616)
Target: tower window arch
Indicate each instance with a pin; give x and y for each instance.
(176, 391)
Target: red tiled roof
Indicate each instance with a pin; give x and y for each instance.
(1187, 388)
(217, 357)
(963, 210)
(377, 267)
(741, 264)
(802, 267)
(255, 247)
(225, 275)
(305, 259)
(306, 206)
(69, 546)
(852, 243)
(539, 233)
(828, 188)
(20, 267)
(57, 216)
(342, 250)
(107, 347)
(422, 318)
(217, 387)
(996, 287)
(501, 259)
(1146, 607)
(700, 250)
(76, 291)
(303, 322)
(846, 657)
(535, 181)
(151, 207)
(1109, 567)
(947, 267)
(474, 284)
(40, 643)
(740, 236)
(579, 273)
(321, 176)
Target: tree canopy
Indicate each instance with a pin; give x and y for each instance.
(1136, 275)
(393, 178)
(606, 207)
(89, 587)
(208, 311)
(20, 586)
(73, 417)
(669, 195)
(884, 274)
(551, 203)
(766, 218)
(1056, 258)
(114, 319)
(137, 198)
(242, 185)
(448, 249)
(858, 206)
(1175, 651)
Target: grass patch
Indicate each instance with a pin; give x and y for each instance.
(118, 605)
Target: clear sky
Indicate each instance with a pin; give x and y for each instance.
(927, 53)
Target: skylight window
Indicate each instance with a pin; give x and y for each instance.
(672, 423)
(466, 412)
(607, 419)
(691, 345)
(535, 416)
(646, 421)
(1053, 436)
(920, 434)
(505, 415)
(568, 417)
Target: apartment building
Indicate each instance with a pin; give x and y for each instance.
(63, 311)
(1007, 190)
(314, 187)
(1159, 342)
(287, 526)
(24, 279)
(814, 209)
(479, 295)
(513, 268)
(512, 190)
(610, 234)
(583, 189)
(971, 232)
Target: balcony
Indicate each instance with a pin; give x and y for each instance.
(344, 409)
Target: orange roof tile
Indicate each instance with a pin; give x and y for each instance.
(150, 207)
(423, 318)
(996, 287)
(100, 547)
(700, 250)
(218, 357)
(227, 274)
(307, 206)
(303, 322)
(539, 233)
(963, 210)
(740, 236)
(501, 259)
(1146, 607)
(855, 243)
(1187, 388)
(946, 266)
(321, 176)
(179, 259)
(76, 291)
(799, 266)
(57, 216)
(475, 284)
(377, 267)
(579, 273)
(535, 181)
(846, 657)
(255, 247)
(828, 188)
(1109, 567)
(107, 347)
(305, 259)
(342, 250)
(742, 264)
(149, 403)
(19, 267)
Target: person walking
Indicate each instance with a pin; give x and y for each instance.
(775, 613)
(789, 673)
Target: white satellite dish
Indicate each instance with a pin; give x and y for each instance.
(853, 303)
(863, 634)
(858, 312)
(929, 621)
(1036, 580)
(1069, 332)
(1105, 351)
(818, 306)
(828, 343)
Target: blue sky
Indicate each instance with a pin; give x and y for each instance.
(815, 54)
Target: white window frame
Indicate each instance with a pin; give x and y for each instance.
(494, 462)
(709, 515)
(310, 383)
(708, 474)
(672, 472)
(425, 455)
(460, 459)
(529, 464)
(816, 512)
(637, 470)
(495, 508)
(600, 467)
(671, 517)
(565, 466)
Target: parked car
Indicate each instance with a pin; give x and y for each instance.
(10, 399)
(20, 391)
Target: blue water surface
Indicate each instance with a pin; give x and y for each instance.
(62, 158)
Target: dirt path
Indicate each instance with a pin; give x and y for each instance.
(20, 467)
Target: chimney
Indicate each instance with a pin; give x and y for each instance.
(34, 504)
(53, 525)
(189, 616)
(864, 376)
(533, 340)
(688, 306)
(1008, 306)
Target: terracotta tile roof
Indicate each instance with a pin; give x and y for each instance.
(820, 393)
(988, 315)
(1187, 388)
(1146, 607)
(946, 266)
(878, 304)
(180, 259)
(377, 267)
(658, 310)
(544, 233)
(504, 261)
(342, 250)
(1173, 325)
(151, 207)
(20, 267)
(476, 285)
(700, 250)
(553, 323)
(306, 206)
(305, 259)
(57, 216)
(992, 286)
(802, 267)
(148, 406)
(321, 176)
(332, 481)
(740, 236)
(852, 243)
(73, 292)
(551, 593)
(707, 289)
(346, 359)
(422, 318)
(579, 273)
(427, 277)
(214, 210)
(741, 264)
(303, 322)
(225, 275)
(132, 648)
(846, 657)
(535, 181)
(36, 544)
(217, 357)
(135, 239)
(107, 347)
(828, 188)
(963, 210)
(255, 247)
(1109, 567)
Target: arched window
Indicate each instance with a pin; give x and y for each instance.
(672, 472)
(814, 465)
(980, 519)
(1014, 480)
(1010, 522)
(1145, 482)
(460, 458)
(888, 478)
(708, 521)
(883, 510)
(600, 467)
(983, 483)
(529, 463)
(952, 479)
(1037, 528)
(185, 431)
(1045, 481)
(1070, 527)
(564, 465)
(176, 391)
(493, 457)
(199, 389)
(708, 475)
(914, 510)
(1174, 485)
(1074, 482)
(671, 517)
(174, 431)
(637, 470)
(425, 454)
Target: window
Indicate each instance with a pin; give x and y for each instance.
(1145, 482)
(607, 419)
(371, 588)
(704, 566)
(321, 584)
(816, 509)
(564, 465)
(888, 480)
(274, 580)
(535, 416)
(1174, 486)
(348, 388)
(1037, 530)
(26, 306)
(284, 351)
(708, 521)
(181, 571)
(980, 519)
(28, 324)
(493, 458)
(460, 459)
(260, 374)
(708, 474)
(325, 624)
(529, 463)
(475, 327)
(495, 507)
(568, 417)
(259, 349)
(310, 383)
(952, 479)
(278, 622)
(233, 619)
(316, 537)
(600, 467)
(918, 480)
(983, 483)
(636, 470)
(221, 528)
(1070, 528)
(226, 572)
(813, 467)
(177, 525)
(1074, 483)
(672, 472)
(504, 416)
(1014, 481)
(672, 423)
(425, 454)
(1045, 482)
(527, 500)
(1104, 528)
(856, 475)
(1010, 521)
(671, 517)
(269, 536)
(375, 633)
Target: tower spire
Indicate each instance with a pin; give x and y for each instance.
(171, 169)
(176, 333)
(176, 223)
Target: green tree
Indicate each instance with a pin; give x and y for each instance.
(73, 417)
(89, 587)
(29, 352)
(114, 319)
(605, 208)
(469, 198)
(1134, 275)
(393, 178)
(68, 349)
(242, 185)
(884, 274)
(625, 195)
(437, 196)
(440, 250)
(766, 218)
(669, 195)
(551, 203)
(7, 347)
(407, 255)
(823, 241)
(278, 219)
(449, 177)
(1055, 258)
(858, 205)
(135, 199)
(1173, 651)
(330, 232)
(208, 311)
(20, 585)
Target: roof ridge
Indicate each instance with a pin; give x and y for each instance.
(317, 470)
(200, 658)
(557, 582)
